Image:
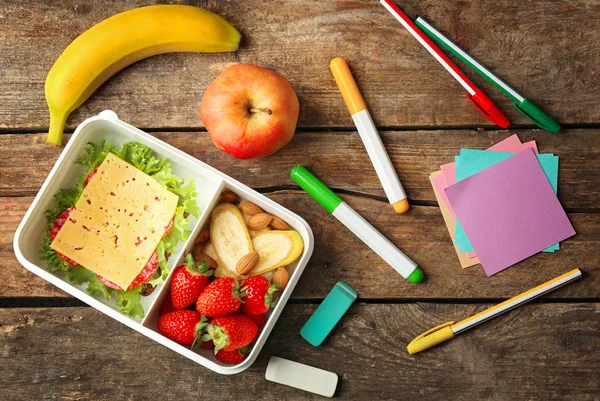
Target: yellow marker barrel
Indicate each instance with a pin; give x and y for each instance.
(345, 81)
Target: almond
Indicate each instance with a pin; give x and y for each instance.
(279, 224)
(250, 208)
(259, 221)
(204, 258)
(281, 277)
(228, 196)
(247, 263)
(202, 237)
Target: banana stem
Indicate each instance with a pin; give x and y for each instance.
(57, 125)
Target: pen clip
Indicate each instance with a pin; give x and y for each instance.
(428, 332)
(486, 107)
(536, 115)
(430, 338)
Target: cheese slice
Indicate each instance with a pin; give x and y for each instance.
(117, 222)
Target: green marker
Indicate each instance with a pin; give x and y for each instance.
(525, 106)
(355, 223)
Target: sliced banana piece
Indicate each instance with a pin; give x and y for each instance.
(209, 249)
(229, 238)
(276, 248)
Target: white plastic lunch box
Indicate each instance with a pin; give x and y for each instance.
(209, 183)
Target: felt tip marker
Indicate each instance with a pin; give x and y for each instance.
(369, 135)
(358, 225)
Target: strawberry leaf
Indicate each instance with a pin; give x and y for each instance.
(269, 301)
(218, 336)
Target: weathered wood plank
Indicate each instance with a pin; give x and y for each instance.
(339, 158)
(534, 353)
(339, 255)
(533, 48)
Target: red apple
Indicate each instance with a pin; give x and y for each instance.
(249, 111)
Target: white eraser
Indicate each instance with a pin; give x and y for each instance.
(303, 377)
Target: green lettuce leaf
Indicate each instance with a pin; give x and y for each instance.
(95, 153)
(143, 158)
(95, 286)
(130, 302)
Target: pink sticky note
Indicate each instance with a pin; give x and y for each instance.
(509, 212)
(510, 144)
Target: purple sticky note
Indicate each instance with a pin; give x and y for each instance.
(509, 212)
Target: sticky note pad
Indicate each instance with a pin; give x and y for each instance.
(510, 144)
(509, 211)
(301, 376)
(329, 313)
(472, 161)
(438, 184)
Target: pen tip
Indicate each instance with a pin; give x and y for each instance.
(416, 276)
(401, 206)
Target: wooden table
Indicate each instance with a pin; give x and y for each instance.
(54, 347)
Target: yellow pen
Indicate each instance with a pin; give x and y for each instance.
(447, 331)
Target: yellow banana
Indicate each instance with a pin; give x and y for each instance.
(121, 40)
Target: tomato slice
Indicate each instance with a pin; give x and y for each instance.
(89, 177)
(60, 221)
(168, 227)
(142, 278)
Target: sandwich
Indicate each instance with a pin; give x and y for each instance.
(115, 229)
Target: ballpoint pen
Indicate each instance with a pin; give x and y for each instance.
(369, 135)
(525, 106)
(358, 225)
(479, 99)
(447, 331)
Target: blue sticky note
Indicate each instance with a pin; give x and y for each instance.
(472, 161)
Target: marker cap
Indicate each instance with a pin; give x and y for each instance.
(430, 338)
(345, 81)
(536, 115)
(486, 107)
(315, 188)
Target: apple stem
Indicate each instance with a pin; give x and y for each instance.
(261, 110)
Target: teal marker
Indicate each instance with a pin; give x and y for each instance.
(525, 106)
(355, 223)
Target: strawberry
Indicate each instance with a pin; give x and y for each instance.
(188, 282)
(167, 306)
(182, 326)
(233, 357)
(231, 332)
(207, 345)
(260, 320)
(221, 297)
(259, 295)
